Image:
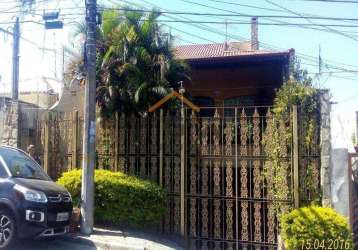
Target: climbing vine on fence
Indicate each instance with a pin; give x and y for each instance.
(278, 134)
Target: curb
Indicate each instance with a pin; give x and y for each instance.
(88, 241)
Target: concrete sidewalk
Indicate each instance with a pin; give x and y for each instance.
(119, 240)
(101, 239)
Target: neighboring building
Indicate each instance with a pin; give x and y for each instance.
(43, 92)
(44, 99)
(18, 122)
(72, 98)
(234, 73)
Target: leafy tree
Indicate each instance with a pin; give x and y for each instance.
(300, 75)
(135, 62)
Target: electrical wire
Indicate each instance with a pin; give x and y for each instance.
(228, 22)
(235, 14)
(309, 20)
(329, 1)
(265, 8)
(301, 55)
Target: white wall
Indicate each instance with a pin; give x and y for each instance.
(339, 181)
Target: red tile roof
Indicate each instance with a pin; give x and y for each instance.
(220, 50)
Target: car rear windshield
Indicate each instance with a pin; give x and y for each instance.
(21, 165)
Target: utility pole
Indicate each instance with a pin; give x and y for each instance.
(356, 128)
(319, 60)
(89, 147)
(15, 61)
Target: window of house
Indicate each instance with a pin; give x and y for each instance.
(240, 101)
(203, 102)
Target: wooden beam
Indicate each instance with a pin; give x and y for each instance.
(161, 102)
(177, 95)
(187, 102)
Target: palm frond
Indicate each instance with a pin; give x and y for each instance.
(110, 21)
(135, 64)
(140, 91)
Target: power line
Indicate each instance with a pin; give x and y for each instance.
(199, 26)
(330, 1)
(234, 12)
(246, 5)
(235, 15)
(28, 41)
(194, 35)
(263, 8)
(238, 22)
(210, 29)
(202, 14)
(212, 7)
(42, 10)
(302, 55)
(298, 14)
(19, 6)
(233, 22)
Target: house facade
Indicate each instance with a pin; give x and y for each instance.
(234, 74)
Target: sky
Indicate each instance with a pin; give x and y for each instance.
(337, 51)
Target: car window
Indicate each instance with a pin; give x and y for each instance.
(3, 173)
(22, 166)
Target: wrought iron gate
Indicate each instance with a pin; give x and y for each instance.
(222, 199)
(228, 204)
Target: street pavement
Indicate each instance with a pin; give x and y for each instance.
(101, 239)
(57, 244)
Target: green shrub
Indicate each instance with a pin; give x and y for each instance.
(120, 198)
(315, 228)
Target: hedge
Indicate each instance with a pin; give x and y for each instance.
(315, 228)
(120, 198)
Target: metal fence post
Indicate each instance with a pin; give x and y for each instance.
(296, 192)
(75, 122)
(47, 142)
(116, 142)
(161, 145)
(182, 172)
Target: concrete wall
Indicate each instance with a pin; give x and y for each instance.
(10, 131)
(326, 148)
(18, 122)
(339, 183)
(2, 117)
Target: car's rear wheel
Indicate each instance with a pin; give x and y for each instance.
(7, 229)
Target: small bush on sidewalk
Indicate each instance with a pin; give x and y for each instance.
(119, 198)
(315, 228)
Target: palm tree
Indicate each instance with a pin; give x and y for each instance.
(135, 62)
